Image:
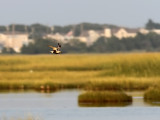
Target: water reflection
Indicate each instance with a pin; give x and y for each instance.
(124, 104)
(28, 91)
(153, 103)
(137, 99)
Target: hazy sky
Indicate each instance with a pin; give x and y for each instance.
(129, 13)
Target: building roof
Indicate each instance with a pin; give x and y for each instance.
(115, 30)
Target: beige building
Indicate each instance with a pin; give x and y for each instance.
(56, 36)
(15, 41)
(60, 37)
(92, 36)
(143, 31)
(121, 32)
(107, 33)
(125, 33)
(157, 31)
(82, 39)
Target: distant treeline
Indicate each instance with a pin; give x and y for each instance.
(148, 42)
(44, 29)
(40, 28)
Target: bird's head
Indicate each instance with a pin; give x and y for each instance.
(59, 45)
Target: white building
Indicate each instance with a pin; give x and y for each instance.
(93, 36)
(143, 31)
(56, 36)
(15, 41)
(107, 33)
(157, 31)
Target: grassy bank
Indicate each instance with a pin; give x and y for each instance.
(152, 94)
(88, 71)
(104, 98)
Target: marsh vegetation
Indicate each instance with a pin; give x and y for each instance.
(152, 95)
(130, 71)
(104, 98)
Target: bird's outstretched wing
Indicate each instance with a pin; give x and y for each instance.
(54, 48)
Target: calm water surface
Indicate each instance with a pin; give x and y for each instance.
(63, 105)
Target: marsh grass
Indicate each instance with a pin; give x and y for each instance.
(152, 94)
(104, 98)
(86, 71)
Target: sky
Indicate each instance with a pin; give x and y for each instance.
(126, 13)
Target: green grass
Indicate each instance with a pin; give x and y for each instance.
(87, 71)
(104, 98)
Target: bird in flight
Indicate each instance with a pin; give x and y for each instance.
(55, 50)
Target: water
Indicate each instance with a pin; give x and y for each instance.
(63, 105)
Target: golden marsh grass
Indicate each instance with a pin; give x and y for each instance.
(129, 71)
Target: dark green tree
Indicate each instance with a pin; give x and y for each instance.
(74, 46)
(152, 25)
(40, 46)
(100, 45)
(8, 51)
(3, 29)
